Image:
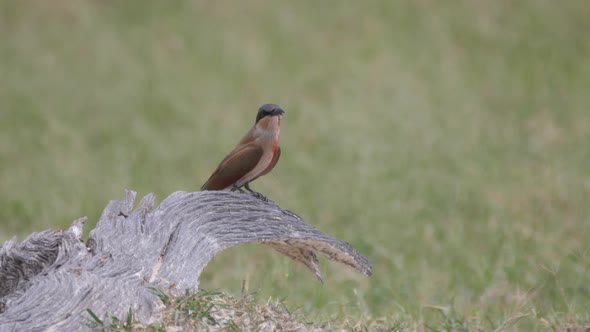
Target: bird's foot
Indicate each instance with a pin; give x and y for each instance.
(255, 193)
(259, 196)
(250, 191)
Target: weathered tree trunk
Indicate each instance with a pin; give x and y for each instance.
(48, 280)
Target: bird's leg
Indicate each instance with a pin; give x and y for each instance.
(247, 186)
(236, 188)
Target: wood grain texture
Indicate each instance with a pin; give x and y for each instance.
(48, 280)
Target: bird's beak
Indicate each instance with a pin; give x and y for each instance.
(277, 111)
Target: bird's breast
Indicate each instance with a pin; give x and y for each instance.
(268, 134)
(277, 138)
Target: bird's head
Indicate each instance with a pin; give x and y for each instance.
(268, 110)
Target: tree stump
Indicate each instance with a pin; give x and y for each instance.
(49, 280)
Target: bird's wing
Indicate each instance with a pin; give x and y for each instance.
(237, 164)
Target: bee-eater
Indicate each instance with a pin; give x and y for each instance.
(255, 155)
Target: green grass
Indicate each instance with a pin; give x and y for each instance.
(218, 311)
(448, 142)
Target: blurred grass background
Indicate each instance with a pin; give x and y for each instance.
(447, 141)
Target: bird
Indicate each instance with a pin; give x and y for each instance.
(255, 155)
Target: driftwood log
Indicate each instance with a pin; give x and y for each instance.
(49, 280)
